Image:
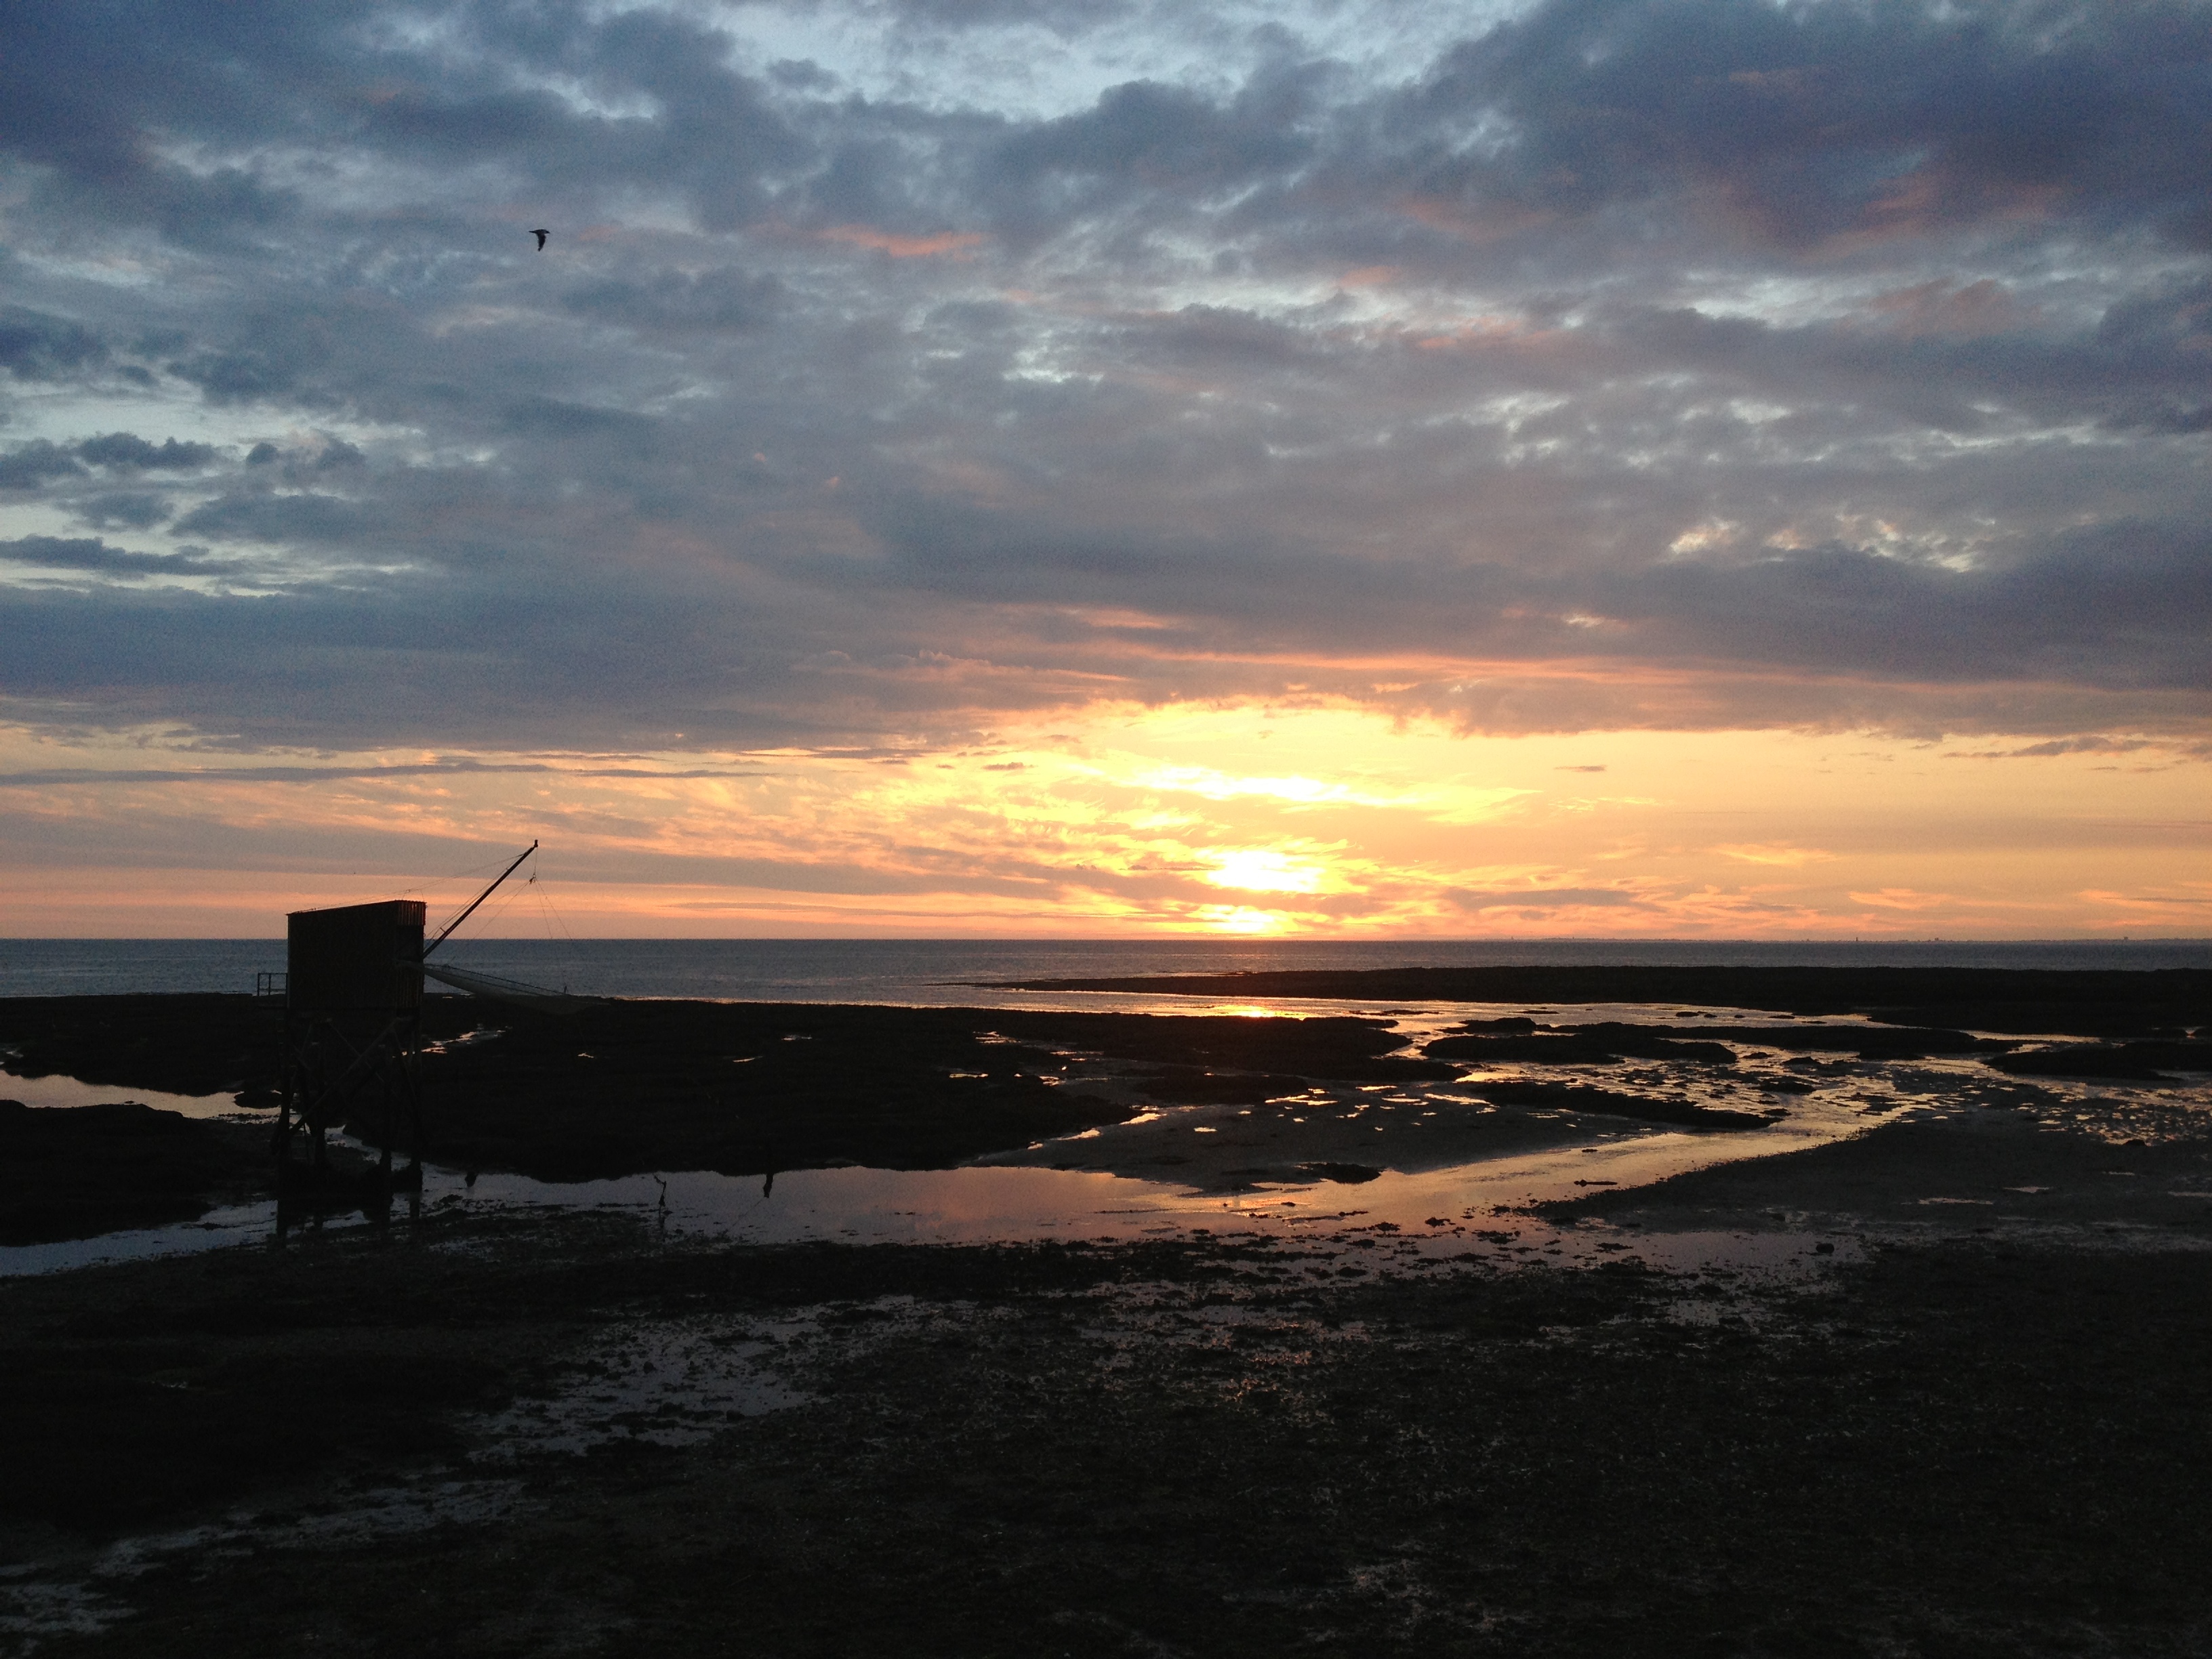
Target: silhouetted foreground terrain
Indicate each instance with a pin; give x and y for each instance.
(1968, 1448)
(621, 1087)
(92, 1169)
(625, 1087)
(1969, 1418)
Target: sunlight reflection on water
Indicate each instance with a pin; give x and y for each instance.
(68, 1091)
(977, 1205)
(1421, 1211)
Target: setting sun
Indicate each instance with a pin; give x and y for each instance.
(1259, 871)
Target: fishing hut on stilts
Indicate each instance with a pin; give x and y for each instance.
(353, 1030)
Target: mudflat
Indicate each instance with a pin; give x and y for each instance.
(1934, 1377)
(564, 1434)
(629, 1087)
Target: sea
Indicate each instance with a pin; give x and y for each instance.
(940, 972)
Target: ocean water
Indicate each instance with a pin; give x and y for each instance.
(948, 971)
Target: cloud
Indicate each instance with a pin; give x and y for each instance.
(96, 556)
(297, 518)
(29, 465)
(34, 346)
(186, 777)
(122, 509)
(1787, 857)
(1542, 898)
(957, 243)
(1902, 898)
(128, 452)
(1826, 126)
(1715, 364)
(2095, 743)
(678, 300)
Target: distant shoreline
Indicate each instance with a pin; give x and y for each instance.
(2073, 1002)
(907, 970)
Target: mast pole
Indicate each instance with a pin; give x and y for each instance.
(481, 897)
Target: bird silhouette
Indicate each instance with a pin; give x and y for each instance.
(541, 235)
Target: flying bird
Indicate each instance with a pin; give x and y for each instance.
(541, 235)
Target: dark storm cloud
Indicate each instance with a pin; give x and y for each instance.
(1846, 359)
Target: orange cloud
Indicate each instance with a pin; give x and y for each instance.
(955, 242)
(1323, 820)
(1779, 854)
(1902, 898)
(1490, 222)
(1936, 308)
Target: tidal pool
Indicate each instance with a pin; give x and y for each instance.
(1432, 1213)
(1437, 1171)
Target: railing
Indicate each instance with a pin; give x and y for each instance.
(268, 985)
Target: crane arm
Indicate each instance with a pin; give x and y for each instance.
(481, 897)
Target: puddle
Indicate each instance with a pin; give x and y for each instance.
(972, 1205)
(68, 1091)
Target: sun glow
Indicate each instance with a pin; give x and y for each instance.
(1330, 821)
(1258, 869)
(1244, 919)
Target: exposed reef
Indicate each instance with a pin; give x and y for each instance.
(78, 1171)
(626, 1087)
(745, 1088)
(2133, 1062)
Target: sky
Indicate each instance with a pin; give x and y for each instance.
(1332, 468)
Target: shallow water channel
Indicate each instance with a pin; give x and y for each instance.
(1414, 1206)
